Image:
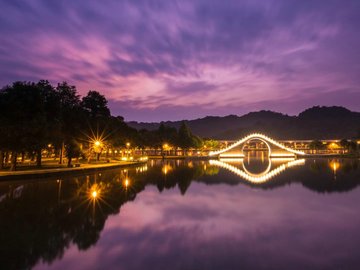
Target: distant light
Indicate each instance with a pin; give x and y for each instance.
(97, 143)
(94, 194)
(127, 144)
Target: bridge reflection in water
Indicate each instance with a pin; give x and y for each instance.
(248, 168)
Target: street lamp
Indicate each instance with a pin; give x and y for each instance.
(165, 147)
(97, 148)
(128, 146)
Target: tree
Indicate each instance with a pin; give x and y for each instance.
(184, 136)
(71, 115)
(24, 118)
(73, 150)
(186, 139)
(95, 105)
(211, 144)
(167, 135)
(51, 111)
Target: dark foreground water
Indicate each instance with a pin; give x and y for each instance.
(251, 214)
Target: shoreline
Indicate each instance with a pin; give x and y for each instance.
(52, 172)
(43, 173)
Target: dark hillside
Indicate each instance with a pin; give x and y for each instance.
(314, 123)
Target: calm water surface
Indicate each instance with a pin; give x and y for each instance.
(224, 214)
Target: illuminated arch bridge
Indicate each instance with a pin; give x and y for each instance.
(275, 149)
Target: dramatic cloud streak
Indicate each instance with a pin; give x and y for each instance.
(180, 59)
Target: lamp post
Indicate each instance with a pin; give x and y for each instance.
(97, 149)
(165, 148)
(127, 147)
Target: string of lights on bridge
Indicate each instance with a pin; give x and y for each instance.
(261, 137)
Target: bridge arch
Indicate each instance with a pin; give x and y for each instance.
(276, 149)
(257, 139)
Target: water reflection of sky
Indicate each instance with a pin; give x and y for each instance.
(228, 227)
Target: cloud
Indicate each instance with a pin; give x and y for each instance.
(180, 54)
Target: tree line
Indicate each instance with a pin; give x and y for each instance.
(34, 115)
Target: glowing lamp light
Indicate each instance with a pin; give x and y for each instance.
(94, 194)
(97, 143)
(126, 182)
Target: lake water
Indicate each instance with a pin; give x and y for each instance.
(254, 213)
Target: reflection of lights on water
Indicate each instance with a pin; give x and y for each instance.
(257, 179)
(237, 155)
(166, 169)
(126, 183)
(141, 169)
(231, 159)
(94, 192)
(282, 159)
(334, 165)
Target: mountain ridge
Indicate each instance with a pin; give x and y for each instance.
(318, 122)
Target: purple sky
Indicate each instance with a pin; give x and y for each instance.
(166, 60)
